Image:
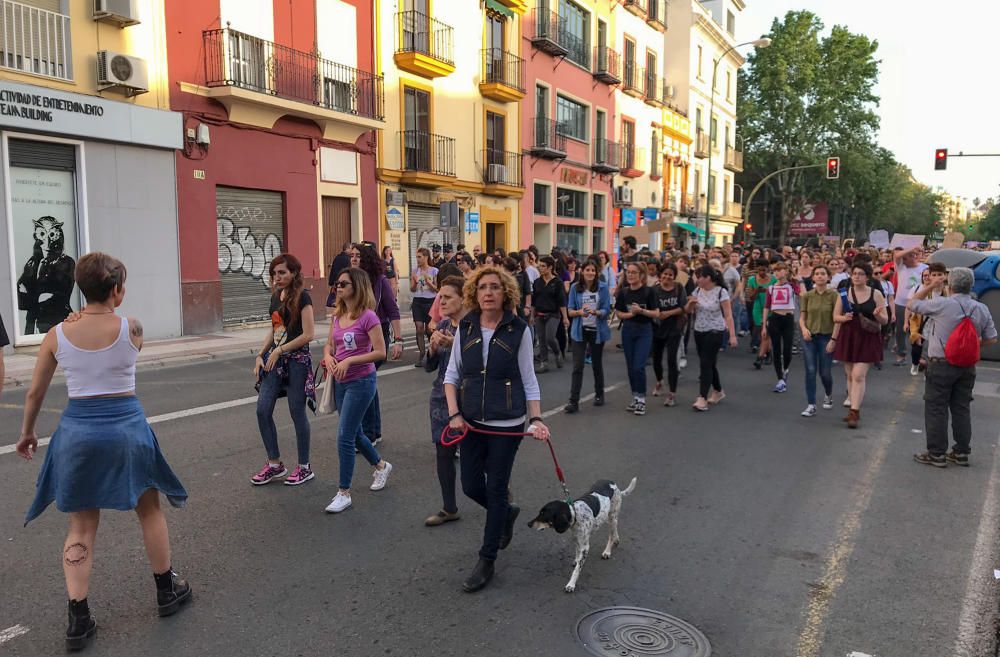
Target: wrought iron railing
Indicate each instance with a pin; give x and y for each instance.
(636, 5)
(427, 152)
(502, 168)
(656, 12)
(503, 67)
(632, 80)
(35, 41)
(607, 62)
(607, 154)
(734, 159)
(547, 24)
(237, 59)
(629, 157)
(419, 33)
(547, 135)
(701, 144)
(653, 87)
(578, 47)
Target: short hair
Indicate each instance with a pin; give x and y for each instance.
(762, 263)
(780, 265)
(863, 266)
(455, 282)
(668, 266)
(629, 241)
(960, 280)
(824, 268)
(937, 268)
(511, 290)
(98, 275)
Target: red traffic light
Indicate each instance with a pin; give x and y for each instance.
(832, 168)
(941, 159)
(748, 226)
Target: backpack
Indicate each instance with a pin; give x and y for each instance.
(962, 347)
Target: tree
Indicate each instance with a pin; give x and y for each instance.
(989, 227)
(802, 99)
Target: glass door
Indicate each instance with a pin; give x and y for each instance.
(416, 135)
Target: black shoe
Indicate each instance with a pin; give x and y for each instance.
(757, 363)
(169, 601)
(957, 459)
(599, 401)
(480, 577)
(82, 626)
(508, 530)
(572, 407)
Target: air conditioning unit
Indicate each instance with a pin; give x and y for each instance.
(496, 173)
(671, 91)
(623, 195)
(119, 12)
(115, 70)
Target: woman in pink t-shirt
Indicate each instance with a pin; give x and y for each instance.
(356, 343)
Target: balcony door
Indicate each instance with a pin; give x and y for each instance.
(496, 140)
(542, 136)
(495, 28)
(628, 143)
(246, 61)
(415, 26)
(417, 129)
(651, 75)
(630, 66)
(600, 134)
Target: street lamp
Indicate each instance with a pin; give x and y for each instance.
(762, 42)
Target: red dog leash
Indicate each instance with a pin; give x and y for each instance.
(450, 439)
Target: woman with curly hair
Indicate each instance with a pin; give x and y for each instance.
(490, 385)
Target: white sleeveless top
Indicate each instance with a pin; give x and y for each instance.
(93, 372)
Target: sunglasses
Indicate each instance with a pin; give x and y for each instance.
(342, 284)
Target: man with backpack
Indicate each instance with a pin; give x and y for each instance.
(956, 329)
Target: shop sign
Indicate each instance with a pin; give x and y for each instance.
(472, 222)
(679, 126)
(650, 214)
(629, 217)
(812, 220)
(575, 177)
(394, 219)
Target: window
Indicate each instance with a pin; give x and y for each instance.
(731, 23)
(630, 67)
(541, 102)
(542, 199)
(699, 62)
(570, 238)
(698, 124)
(571, 203)
(651, 69)
(729, 85)
(711, 189)
(654, 155)
(628, 144)
(495, 131)
(416, 123)
(729, 141)
(597, 241)
(715, 133)
(495, 24)
(576, 32)
(715, 82)
(599, 201)
(571, 118)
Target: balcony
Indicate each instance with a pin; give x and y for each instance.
(633, 82)
(631, 157)
(701, 144)
(607, 156)
(35, 41)
(502, 76)
(734, 211)
(547, 142)
(519, 6)
(547, 32)
(502, 173)
(607, 65)
(653, 90)
(637, 7)
(656, 15)
(424, 46)
(428, 160)
(734, 159)
(260, 81)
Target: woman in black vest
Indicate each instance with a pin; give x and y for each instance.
(490, 384)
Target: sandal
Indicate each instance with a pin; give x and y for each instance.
(440, 518)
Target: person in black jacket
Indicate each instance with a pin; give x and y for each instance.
(548, 297)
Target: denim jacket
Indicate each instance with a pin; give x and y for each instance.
(603, 306)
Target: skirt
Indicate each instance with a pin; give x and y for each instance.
(856, 345)
(103, 455)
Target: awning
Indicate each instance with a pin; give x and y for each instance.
(496, 6)
(689, 228)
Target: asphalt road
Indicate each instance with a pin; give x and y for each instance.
(775, 535)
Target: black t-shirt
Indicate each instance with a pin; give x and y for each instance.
(340, 262)
(4, 340)
(675, 298)
(523, 282)
(280, 322)
(548, 297)
(644, 296)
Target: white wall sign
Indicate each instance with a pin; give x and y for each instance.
(338, 166)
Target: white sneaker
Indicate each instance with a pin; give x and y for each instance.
(847, 403)
(828, 402)
(914, 370)
(339, 503)
(381, 476)
(682, 363)
(810, 411)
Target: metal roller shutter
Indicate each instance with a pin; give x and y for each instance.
(41, 154)
(424, 224)
(251, 232)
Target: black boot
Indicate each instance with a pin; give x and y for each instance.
(480, 577)
(572, 407)
(171, 593)
(508, 529)
(82, 626)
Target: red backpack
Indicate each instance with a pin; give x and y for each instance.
(962, 347)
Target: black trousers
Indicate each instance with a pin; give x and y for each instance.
(446, 476)
(486, 463)
(597, 362)
(781, 330)
(708, 344)
(948, 388)
(670, 344)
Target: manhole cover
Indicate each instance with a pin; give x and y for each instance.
(635, 632)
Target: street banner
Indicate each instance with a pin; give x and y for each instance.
(906, 241)
(879, 239)
(813, 220)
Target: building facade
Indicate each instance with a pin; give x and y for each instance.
(573, 67)
(703, 31)
(280, 105)
(87, 150)
(450, 162)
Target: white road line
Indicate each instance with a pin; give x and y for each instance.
(975, 628)
(560, 409)
(12, 633)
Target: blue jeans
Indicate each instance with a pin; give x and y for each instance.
(270, 388)
(372, 424)
(637, 340)
(353, 399)
(740, 319)
(815, 356)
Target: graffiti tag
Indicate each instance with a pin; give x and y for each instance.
(240, 251)
(249, 214)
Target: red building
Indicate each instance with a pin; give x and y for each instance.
(280, 109)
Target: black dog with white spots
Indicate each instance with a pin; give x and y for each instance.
(602, 503)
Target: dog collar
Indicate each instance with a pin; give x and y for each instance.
(572, 512)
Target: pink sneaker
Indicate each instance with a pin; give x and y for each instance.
(268, 474)
(300, 475)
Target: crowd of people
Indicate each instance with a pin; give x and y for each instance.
(487, 325)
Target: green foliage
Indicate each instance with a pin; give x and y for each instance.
(989, 227)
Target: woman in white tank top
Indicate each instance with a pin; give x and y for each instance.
(103, 455)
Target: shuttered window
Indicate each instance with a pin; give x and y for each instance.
(42, 154)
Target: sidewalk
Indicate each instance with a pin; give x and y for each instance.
(177, 351)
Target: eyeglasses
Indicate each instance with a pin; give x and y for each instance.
(342, 284)
(492, 287)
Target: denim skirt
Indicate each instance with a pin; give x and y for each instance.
(103, 455)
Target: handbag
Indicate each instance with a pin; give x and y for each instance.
(327, 402)
(868, 325)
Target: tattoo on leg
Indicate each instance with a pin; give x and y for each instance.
(76, 554)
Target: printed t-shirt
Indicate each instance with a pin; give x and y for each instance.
(669, 300)
(284, 332)
(908, 280)
(708, 314)
(644, 297)
(588, 301)
(354, 341)
(423, 291)
(781, 297)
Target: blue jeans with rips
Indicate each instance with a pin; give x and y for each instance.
(353, 399)
(816, 357)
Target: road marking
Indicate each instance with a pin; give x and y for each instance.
(562, 409)
(12, 633)
(975, 629)
(824, 591)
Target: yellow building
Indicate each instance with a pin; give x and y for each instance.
(449, 160)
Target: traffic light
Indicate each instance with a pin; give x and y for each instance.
(748, 227)
(941, 159)
(832, 168)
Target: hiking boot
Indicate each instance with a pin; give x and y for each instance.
(82, 626)
(169, 600)
(929, 459)
(480, 576)
(957, 459)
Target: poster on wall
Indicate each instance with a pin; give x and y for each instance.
(45, 245)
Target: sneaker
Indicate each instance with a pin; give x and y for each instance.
(631, 407)
(914, 370)
(587, 360)
(810, 411)
(377, 440)
(268, 474)
(716, 396)
(827, 402)
(299, 475)
(658, 389)
(440, 518)
(559, 361)
(878, 366)
(671, 399)
(847, 403)
(640, 408)
(381, 476)
(420, 362)
(757, 362)
(780, 386)
(957, 459)
(339, 503)
(599, 401)
(795, 351)
(929, 459)
(541, 368)
(682, 363)
(169, 601)
(572, 407)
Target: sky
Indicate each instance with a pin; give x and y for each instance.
(937, 80)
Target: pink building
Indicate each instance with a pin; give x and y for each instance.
(568, 126)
